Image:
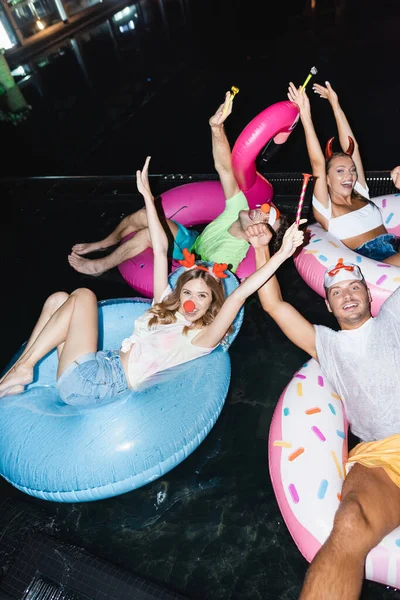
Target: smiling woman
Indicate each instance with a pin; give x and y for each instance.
(341, 199)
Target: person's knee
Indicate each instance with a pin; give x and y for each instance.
(352, 527)
(84, 294)
(137, 219)
(56, 300)
(141, 214)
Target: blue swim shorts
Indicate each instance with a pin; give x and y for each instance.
(380, 247)
(93, 378)
(185, 238)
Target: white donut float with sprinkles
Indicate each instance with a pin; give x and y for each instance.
(307, 453)
(324, 250)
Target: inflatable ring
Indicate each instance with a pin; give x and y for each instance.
(324, 250)
(65, 453)
(202, 202)
(307, 451)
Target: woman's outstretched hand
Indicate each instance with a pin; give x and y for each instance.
(326, 92)
(292, 239)
(142, 180)
(299, 97)
(223, 112)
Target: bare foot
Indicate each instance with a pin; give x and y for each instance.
(88, 247)
(17, 377)
(85, 265)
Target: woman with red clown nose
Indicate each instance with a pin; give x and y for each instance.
(183, 323)
(341, 200)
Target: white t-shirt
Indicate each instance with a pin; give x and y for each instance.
(363, 365)
(159, 347)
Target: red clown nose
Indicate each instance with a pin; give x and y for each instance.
(189, 306)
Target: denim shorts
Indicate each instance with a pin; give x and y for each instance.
(380, 247)
(185, 238)
(93, 378)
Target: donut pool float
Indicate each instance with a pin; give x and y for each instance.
(307, 450)
(202, 202)
(324, 250)
(65, 453)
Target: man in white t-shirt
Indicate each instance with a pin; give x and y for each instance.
(362, 361)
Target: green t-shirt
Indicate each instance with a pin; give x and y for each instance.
(216, 244)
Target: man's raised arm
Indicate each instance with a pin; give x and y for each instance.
(222, 150)
(293, 324)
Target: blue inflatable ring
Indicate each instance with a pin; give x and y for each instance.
(64, 453)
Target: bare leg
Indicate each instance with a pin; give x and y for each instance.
(73, 327)
(52, 304)
(393, 260)
(98, 266)
(361, 522)
(128, 249)
(132, 223)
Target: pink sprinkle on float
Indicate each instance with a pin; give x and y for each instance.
(320, 381)
(384, 265)
(381, 279)
(300, 376)
(384, 203)
(318, 433)
(312, 411)
(293, 493)
(295, 454)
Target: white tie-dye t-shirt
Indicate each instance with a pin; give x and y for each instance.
(159, 347)
(363, 365)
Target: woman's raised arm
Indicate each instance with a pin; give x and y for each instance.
(211, 335)
(344, 129)
(159, 240)
(315, 154)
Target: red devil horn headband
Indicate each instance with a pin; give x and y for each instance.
(329, 152)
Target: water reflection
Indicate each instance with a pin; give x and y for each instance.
(32, 17)
(97, 80)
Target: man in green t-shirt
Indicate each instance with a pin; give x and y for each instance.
(224, 240)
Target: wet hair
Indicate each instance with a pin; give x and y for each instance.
(284, 223)
(328, 164)
(164, 312)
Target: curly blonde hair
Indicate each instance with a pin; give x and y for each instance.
(164, 312)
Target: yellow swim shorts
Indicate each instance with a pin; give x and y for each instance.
(383, 453)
